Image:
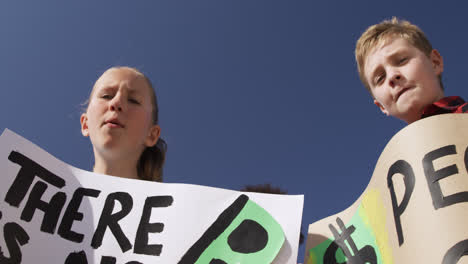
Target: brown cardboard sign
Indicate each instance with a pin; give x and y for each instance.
(415, 208)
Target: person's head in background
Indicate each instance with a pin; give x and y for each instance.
(400, 69)
(267, 188)
(121, 120)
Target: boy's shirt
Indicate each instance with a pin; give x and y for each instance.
(446, 105)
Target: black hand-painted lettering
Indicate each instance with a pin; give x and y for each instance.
(51, 210)
(24, 179)
(466, 158)
(217, 261)
(113, 260)
(15, 236)
(455, 253)
(353, 256)
(433, 177)
(77, 258)
(404, 168)
(71, 214)
(112, 220)
(218, 227)
(145, 227)
(330, 254)
(108, 260)
(248, 237)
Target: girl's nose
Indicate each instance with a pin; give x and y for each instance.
(117, 103)
(115, 107)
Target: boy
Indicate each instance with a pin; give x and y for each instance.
(402, 72)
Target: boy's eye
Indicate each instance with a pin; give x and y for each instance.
(379, 79)
(402, 60)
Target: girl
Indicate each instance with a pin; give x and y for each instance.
(121, 120)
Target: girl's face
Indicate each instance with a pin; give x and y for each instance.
(119, 117)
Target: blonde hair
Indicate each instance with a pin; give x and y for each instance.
(376, 34)
(151, 162)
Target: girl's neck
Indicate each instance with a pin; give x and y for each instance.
(119, 168)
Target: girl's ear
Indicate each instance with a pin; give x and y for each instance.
(84, 125)
(153, 135)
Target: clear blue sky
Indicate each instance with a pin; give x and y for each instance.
(250, 92)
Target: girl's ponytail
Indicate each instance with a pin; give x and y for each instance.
(150, 165)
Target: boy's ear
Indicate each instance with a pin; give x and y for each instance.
(381, 107)
(437, 62)
(84, 125)
(153, 136)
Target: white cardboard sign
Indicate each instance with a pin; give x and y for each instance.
(51, 212)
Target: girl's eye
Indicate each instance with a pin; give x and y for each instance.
(133, 101)
(106, 96)
(402, 60)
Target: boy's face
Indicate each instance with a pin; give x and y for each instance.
(402, 79)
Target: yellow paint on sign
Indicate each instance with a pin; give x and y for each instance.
(372, 212)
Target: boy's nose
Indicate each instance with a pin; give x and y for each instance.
(395, 79)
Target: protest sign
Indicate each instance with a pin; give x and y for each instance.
(414, 209)
(51, 212)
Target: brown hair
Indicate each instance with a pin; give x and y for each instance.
(378, 33)
(150, 165)
(151, 162)
(262, 188)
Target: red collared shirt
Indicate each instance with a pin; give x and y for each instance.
(446, 105)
